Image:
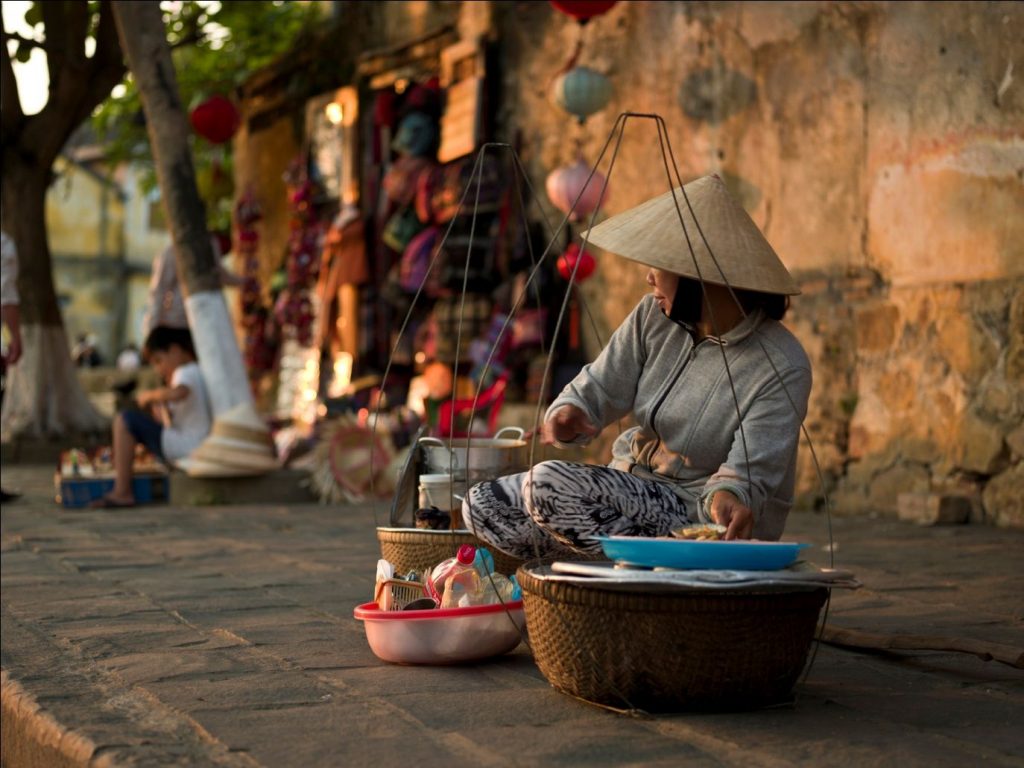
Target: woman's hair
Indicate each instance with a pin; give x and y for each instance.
(774, 305)
(162, 338)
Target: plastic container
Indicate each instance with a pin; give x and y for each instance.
(441, 491)
(439, 574)
(462, 588)
(442, 636)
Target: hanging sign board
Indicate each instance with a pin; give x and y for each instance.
(462, 76)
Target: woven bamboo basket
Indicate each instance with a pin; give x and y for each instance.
(669, 651)
(414, 549)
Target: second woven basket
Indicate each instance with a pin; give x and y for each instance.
(669, 651)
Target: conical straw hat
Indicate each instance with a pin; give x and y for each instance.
(651, 234)
(239, 444)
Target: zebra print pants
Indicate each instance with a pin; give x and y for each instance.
(555, 509)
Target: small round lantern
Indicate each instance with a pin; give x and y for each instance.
(216, 119)
(565, 184)
(583, 10)
(567, 263)
(581, 91)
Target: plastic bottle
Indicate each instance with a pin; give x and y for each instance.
(497, 588)
(439, 574)
(462, 588)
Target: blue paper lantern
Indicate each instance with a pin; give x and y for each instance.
(582, 91)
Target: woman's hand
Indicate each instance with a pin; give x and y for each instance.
(729, 511)
(565, 424)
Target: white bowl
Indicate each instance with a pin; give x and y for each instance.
(444, 635)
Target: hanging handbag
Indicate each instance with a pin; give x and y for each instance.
(400, 229)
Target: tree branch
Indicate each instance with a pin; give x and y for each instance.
(76, 85)
(27, 41)
(11, 115)
(66, 26)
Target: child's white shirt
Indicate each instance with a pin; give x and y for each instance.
(190, 418)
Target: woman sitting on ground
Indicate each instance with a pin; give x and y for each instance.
(713, 442)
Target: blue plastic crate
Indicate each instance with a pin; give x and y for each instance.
(78, 492)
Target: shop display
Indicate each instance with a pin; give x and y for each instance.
(259, 343)
(82, 477)
(294, 310)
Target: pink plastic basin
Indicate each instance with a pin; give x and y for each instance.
(442, 636)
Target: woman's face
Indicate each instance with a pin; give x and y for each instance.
(664, 285)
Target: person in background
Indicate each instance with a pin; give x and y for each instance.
(9, 314)
(85, 354)
(182, 405)
(165, 305)
(128, 359)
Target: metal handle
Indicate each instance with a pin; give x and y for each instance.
(518, 431)
(435, 442)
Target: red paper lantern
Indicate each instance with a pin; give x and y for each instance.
(583, 10)
(223, 242)
(216, 119)
(567, 263)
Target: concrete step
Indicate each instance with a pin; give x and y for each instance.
(283, 486)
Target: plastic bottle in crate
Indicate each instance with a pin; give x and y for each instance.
(456, 581)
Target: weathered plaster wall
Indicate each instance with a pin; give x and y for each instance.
(881, 148)
(85, 224)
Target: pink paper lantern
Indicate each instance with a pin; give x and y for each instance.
(565, 184)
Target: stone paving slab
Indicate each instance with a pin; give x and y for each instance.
(224, 636)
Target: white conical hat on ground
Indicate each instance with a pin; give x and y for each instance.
(239, 444)
(651, 234)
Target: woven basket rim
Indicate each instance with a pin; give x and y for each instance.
(639, 600)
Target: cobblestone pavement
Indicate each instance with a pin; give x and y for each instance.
(224, 636)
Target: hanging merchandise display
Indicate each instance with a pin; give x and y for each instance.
(583, 10)
(581, 91)
(260, 341)
(417, 135)
(294, 307)
(564, 185)
(216, 119)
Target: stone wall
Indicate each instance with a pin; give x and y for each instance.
(881, 148)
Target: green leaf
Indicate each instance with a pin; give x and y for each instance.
(34, 14)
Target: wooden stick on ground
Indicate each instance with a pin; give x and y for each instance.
(987, 651)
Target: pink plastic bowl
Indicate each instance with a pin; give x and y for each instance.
(442, 636)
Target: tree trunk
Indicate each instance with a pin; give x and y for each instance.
(43, 396)
(143, 39)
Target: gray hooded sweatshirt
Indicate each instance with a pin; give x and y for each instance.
(688, 433)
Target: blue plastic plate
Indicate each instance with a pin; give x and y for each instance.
(680, 553)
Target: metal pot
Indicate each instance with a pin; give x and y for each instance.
(478, 458)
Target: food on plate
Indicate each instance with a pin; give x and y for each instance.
(705, 532)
